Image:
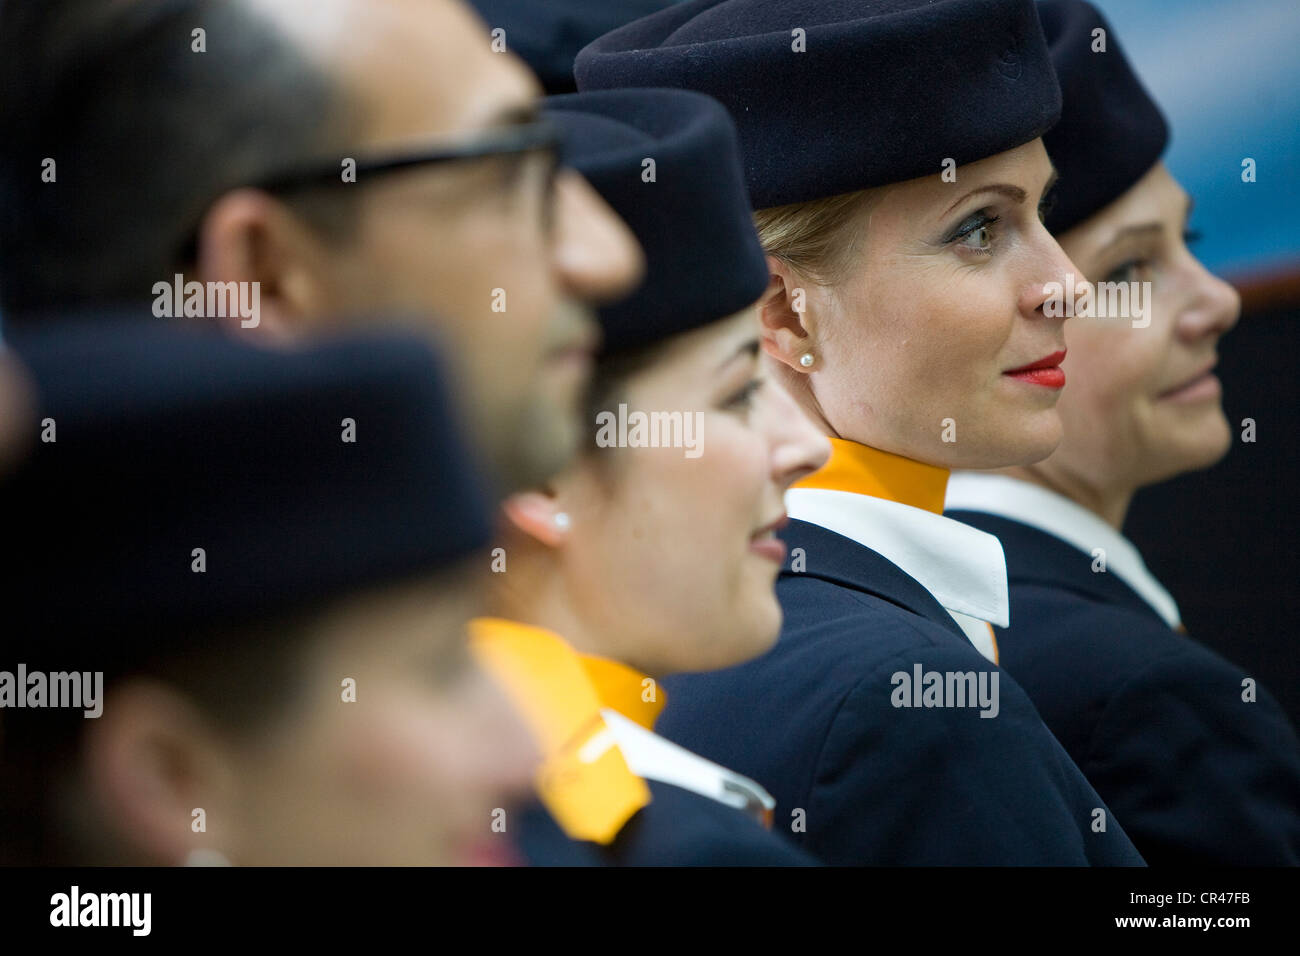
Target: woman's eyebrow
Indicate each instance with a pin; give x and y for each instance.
(1014, 193)
(749, 349)
(1134, 231)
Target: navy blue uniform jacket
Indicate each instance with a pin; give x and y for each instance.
(1155, 720)
(813, 722)
(677, 828)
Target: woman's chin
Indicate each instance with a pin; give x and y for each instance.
(769, 631)
(757, 627)
(1022, 444)
(1202, 446)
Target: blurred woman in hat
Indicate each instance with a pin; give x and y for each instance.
(657, 551)
(894, 154)
(260, 622)
(1201, 766)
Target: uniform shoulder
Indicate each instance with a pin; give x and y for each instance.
(1055, 624)
(677, 828)
(929, 731)
(824, 618)
(1194, 685)
(682, 828)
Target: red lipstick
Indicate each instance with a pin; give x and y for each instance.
(1046, 371)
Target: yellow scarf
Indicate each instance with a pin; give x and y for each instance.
(628, 691)
(870, 471)
(583, 781)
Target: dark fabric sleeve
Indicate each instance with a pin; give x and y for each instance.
(944, 786)
(677, 828)
(1197, 774)
(682, 828)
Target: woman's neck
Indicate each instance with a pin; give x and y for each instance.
(1110, 503)
(538, 594)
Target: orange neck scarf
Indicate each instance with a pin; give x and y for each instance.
(869, 471)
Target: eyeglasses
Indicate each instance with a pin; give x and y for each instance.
(540, 135)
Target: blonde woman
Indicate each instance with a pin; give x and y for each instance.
(893, 151)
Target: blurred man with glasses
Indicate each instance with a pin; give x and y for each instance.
(351, 157)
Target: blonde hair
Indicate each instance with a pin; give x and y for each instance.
(816, 238)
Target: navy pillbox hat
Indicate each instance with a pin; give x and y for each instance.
(169, 440)
(883, 91)
(547, 34)
(1111, 132)
(688, 210)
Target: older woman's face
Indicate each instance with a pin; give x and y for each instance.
(1143, 403)
(941, 300)
(673, 558)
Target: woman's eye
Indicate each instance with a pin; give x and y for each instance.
(1045, 206)
(980, 239)
(1130, 271)
(743, 399)
(976, 233)
(1191, 237)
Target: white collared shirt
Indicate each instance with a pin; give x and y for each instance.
(657, 758)
(1048, 511)
(963, 567)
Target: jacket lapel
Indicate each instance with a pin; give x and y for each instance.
(843, 561)
(1036, 557)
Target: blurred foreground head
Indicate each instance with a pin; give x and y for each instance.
(238, 622)
(289, 143)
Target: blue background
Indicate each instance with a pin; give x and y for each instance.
(1228, 78)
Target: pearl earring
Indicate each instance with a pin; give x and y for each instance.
(806, 359)
(561, 520)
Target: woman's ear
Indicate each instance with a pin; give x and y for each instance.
(154, 766)
(538, 515)
(783, 315)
